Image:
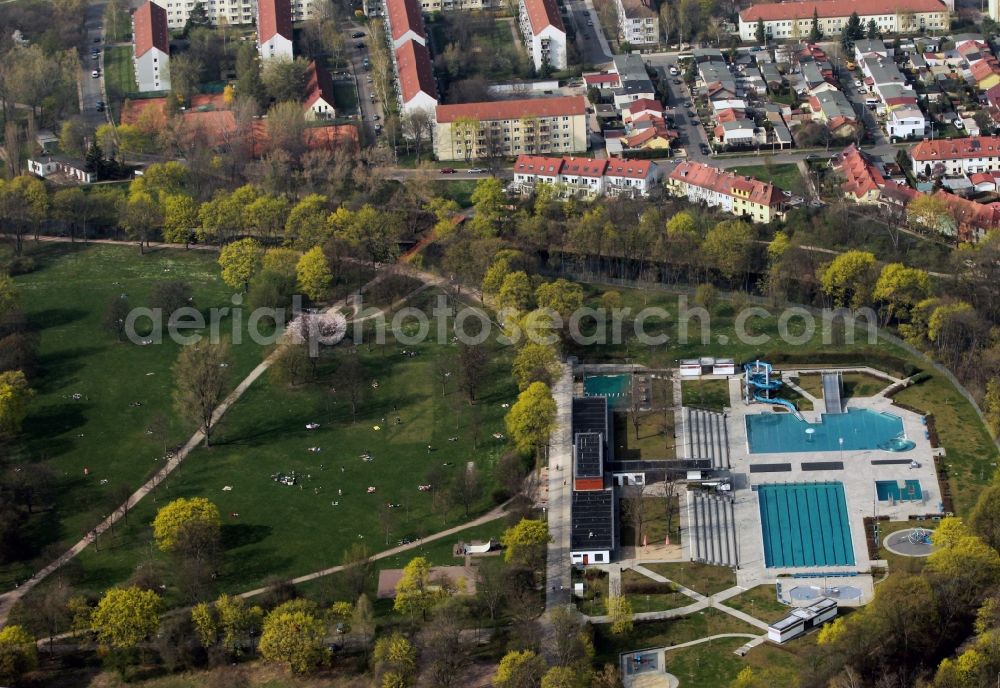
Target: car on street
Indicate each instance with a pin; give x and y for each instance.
(692, 114)
(95, 56)
(674, 71)
(97, 39)
(357, 34)
(378, 128)
(99, 107)
(705, 150)
(959, 124)
(96, 74)
(448, 170)
(476, 170)
(359, 46)
(375, 118)
(695, 122)
(858, 83)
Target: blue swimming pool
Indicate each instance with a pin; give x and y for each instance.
(890, 490)
(614, 387)
(805, 524)
(777, 433)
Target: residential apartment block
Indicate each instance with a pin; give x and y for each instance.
(586, 177)
(319, 101)
(794, 19)
(543, 32)
(638, 22)
(736, 194)
(956, 156)
(274, 29)
(511, 127)
(863, 181)
(429, 6)
(234, 12)
(151, 48)
(405, 22)
(415, 77)
(897, 101)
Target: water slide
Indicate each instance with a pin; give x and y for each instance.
(833, 387)
(760, 385)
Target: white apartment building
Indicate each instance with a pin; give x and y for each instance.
(274, 30)
(794, 19)
(957, 156)
(743, 196)
(543, 32)
(638, 23)
(151, 48)
(235, 12)
(511, 127)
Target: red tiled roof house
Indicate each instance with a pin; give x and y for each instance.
(274, 29)
(151, 47)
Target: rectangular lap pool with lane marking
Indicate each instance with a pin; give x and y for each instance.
(777, 433)
(805, 524)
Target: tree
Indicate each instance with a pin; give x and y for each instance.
(239, 261)
(848, 280)
(197, 18)
(201, 380)
(140, 217)
(853, 31)
(519, 669)
(873, 31)
(188, 527)
(489, 200)
(525, 542)
(759, 33)
(815, 33)
(991, 409)
(266, 217)
(248, 73)
(15, 398)
(180, 218)
(170, 295)
(472, 364)
(363, 619)
(414, 593)
(313, 274)
(18, 653)
(357, 564)
(901, 288)
(294, 636)
(115, 316)
(984, 520)
(126, 616)
(239, 623)
(531, 419)
(206, 625)
(285, 79)
(535, 362)
(728, 248)
(395, 661)
(444, 652)
(375, 232)
(562, 677)
(515, 291)
(466, 488)
(931, 213)
(562, 296)
(491, 585)
(620, 611)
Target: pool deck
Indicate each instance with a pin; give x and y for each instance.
(859, 485)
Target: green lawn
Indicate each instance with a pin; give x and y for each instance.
(706, 394)
(703, 578)
(346, 97)
(785, 176)
(655, 438)
(654, 522)
(287, 531)
(760, 602)
(647, 595)
(971, 455)
(119, 75)
(122, 386)
(664, 633)
(855, 384)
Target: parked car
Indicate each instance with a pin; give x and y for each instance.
(858, 83)
(359, 46)
(99, 107)
(96, 74)
(677, 82)
(674, 71)
(476, 170)
(704, 149)
(959, 124)
(448, 170)
(357, 34)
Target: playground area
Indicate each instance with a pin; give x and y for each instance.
(912, 542)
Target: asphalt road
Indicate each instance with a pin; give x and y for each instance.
(92, 90)
(590, 39)
(366, 108)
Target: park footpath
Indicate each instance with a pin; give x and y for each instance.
(11, 597)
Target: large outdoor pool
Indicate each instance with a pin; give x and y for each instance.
(858, 429)
(614, 387)
(805, 524)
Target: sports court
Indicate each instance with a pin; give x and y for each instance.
(805, 524)
(858, 429)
